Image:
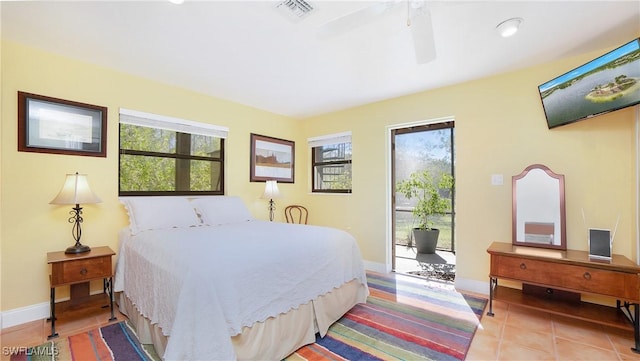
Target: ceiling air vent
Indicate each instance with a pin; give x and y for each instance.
(295, 10)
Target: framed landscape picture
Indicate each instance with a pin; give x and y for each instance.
(271, 159)
(50, 125)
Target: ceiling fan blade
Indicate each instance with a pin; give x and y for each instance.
(355, 19)
(423, 37)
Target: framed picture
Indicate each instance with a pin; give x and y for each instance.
(50, 125)
(271, 159)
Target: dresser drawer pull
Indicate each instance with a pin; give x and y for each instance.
(83, 271)
(587, 276)
(523, 266)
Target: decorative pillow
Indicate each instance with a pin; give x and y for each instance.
(147, 213)
(216, 210)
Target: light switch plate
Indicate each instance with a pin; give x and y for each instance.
(497, 179)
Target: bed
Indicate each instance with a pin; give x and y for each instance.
(202, 279)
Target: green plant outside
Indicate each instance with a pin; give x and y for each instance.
(430, 201)
(158, 170)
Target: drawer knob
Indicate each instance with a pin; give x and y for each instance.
(83, 271)
(523, 266)
(587, 276)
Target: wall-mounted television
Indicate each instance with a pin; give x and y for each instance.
(606, 83)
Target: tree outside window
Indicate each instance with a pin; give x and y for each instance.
(156, 161)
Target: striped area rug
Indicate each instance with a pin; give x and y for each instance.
(405, 318)
(117, 341)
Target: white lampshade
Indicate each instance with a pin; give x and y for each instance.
(271, 190)
(76, 190)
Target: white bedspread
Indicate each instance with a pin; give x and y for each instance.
(202, 285)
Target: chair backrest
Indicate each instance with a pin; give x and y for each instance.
(296, 214)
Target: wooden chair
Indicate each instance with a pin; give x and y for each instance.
(296, 214)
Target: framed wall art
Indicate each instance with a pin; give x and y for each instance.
(271, 159)
(50, 125)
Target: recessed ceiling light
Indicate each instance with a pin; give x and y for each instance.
(509, 27)
(177, 2)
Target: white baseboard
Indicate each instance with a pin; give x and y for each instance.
(465, 284)
(25, 314)
(376, 267)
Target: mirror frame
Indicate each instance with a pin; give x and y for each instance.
(514, 212)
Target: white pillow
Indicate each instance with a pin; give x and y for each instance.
(147, 213)
(216, 210)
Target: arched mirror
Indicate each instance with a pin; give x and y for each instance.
(538, 208)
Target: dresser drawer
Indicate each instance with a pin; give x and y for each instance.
(525, 270)
(593, 280)
(80, 270)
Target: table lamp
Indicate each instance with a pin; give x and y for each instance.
(271, 192)
(76, 191)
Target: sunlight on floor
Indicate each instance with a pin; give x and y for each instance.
(408, 261)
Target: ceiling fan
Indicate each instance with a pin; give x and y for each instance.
(418, 21)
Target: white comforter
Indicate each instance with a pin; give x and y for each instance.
(202, 285)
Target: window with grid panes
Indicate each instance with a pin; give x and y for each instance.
(167, 156)
(331, 163)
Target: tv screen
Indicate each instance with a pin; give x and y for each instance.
(606, 83)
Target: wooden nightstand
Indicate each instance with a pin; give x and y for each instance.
(77, 270)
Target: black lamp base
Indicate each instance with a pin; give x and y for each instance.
(78, 248)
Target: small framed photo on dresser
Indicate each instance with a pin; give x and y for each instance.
(51, 125)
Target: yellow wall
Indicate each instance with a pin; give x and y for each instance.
(500, 129)
(32, 227)
(1, 72)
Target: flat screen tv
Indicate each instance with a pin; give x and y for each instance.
(606, 83)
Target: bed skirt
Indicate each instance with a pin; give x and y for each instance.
(274, 338)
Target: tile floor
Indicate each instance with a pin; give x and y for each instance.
(517, 333)
(514, 333)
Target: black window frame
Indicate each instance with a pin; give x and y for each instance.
(183, 152)
(314, 164)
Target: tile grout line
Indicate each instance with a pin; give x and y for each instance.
(502, 330)
(613, 345)
(556, 355)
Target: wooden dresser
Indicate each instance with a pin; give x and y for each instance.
(554, 280)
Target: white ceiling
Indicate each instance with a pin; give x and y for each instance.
(250, 53)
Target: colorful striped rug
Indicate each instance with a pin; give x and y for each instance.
(116, 341)
(405, 318)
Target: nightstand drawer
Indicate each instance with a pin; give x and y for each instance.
(80, 270)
